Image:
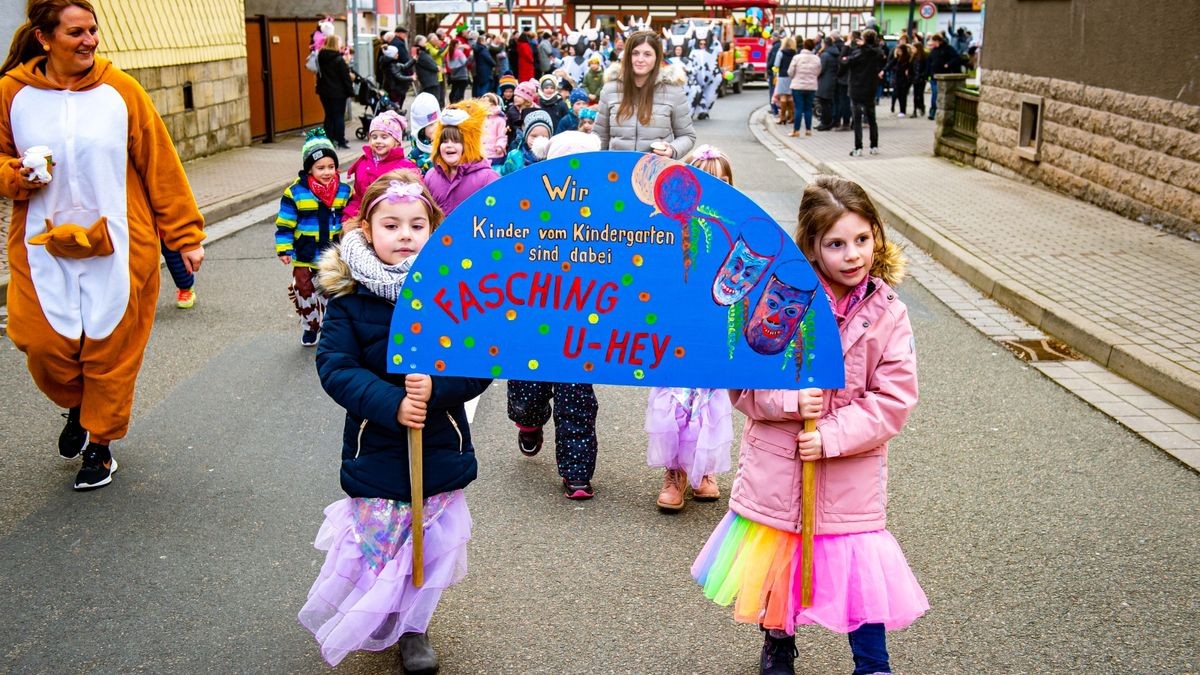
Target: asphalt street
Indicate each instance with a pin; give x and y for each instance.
(1048, 538)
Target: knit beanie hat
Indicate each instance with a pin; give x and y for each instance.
(548, 80)
(578, 94)
(587, 114)
(390, 123)
(317, 146)
(528, 90)
(536, 118)
(506, 81)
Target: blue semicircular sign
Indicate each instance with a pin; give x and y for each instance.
(616, 268)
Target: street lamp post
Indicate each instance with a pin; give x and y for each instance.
(953, 15)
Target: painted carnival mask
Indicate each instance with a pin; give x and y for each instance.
(777, 315)
(747, 261)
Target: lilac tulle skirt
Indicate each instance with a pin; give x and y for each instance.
(364, 597)
(857, 578)
(689, 429)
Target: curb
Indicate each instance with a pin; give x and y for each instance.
(1135, 363)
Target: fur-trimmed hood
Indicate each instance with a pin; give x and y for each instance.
(890, 264)
(668, 73)
(333, 273)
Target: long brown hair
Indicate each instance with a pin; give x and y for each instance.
(824, 202)
(634, 98)
(42, 15)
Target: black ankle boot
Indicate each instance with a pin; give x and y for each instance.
(417, 655)
(778, 655)
(73, 437)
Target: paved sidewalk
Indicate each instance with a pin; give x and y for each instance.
(224, 184)
(1120, 292)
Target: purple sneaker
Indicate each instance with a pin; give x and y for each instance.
(578, 489)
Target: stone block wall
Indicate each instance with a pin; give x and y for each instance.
(220, 117)
(1136, 155)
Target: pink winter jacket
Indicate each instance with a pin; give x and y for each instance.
(366, 170)
(805, 68)
(855, 426)
(495, 136)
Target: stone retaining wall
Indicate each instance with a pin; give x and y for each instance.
(220, 117)
(1136, 155)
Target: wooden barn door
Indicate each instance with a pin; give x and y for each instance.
(255, 76)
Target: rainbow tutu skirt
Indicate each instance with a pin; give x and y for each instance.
(364, 597)
(857, 578)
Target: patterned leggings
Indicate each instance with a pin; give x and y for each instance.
(575, 409)
(310, 304)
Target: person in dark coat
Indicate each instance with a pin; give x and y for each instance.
(334, 88)
(827, 84)
(427, 69)
(900, 68)
(942, 60)
(406, 65)
(776, 45)
(485, 69)
(841, 96)
(865, 64)
(920, 75)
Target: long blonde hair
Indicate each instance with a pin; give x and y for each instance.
(42, 16)
(824, 202)
(634, 98)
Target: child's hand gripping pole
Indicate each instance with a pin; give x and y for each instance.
(808, 505)
(418, 389)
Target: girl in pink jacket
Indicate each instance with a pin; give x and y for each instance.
(862, 584)
(383, 152)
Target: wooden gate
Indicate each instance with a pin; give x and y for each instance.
(282, 91)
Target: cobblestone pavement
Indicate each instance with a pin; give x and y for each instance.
(1122, 292)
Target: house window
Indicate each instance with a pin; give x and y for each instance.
(525, 23)
(1029, 136)
(477, 24)
(853, 22)
(836, 22)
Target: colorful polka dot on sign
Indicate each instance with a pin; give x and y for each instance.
(644, 296)
(443, 270)
(524, 204)
(574, 162)
(651, 319)
(639, 374)
(588, 366)
(593, 318)
(496, 255)
(680, 352)
(545, 216)
(416, 304)
(519, 247)
(613, 176)
(415, 329)
(544, 329)
(496, 371)
(493, 350)
(490, 201)
(444, 341)
(566, 267)
(468, 342)
(533, 364)
(511, 314)
(397, 359)
(439, 365)
(407, 293)
(398, 338)
(638, 260)
(416, 277)
(585, 211)
(466, 263)
(618, 206)
(626, 279)
(447, 240)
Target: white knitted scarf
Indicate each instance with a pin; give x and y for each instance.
(367, 269)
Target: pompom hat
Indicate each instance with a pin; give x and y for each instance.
(316, 147)
(390, 123)
(506, 81)
(528, 90)
(536, 118)
(578, 94)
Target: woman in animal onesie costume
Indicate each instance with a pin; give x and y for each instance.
(83, 249)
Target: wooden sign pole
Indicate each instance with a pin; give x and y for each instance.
(416, 480)
(808, 504)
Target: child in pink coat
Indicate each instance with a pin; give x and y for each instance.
(383, 152)
(495, 132)
(862, 584)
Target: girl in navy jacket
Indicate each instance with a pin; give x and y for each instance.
(364, 597)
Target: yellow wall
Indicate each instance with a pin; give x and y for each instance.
(153, 33)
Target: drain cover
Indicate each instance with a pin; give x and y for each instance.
(1047, 349)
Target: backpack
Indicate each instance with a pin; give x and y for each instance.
(311, 63)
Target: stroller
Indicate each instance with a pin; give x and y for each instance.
(375, 100)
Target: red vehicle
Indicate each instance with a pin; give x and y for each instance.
(750, 49)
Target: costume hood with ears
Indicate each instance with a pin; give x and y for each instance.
(671, 41)
(469, 116)
(635, 25)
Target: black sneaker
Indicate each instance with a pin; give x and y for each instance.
(73, 436)
(417, 655)
(529, 442)
(98, 467)
(309, 338)
(578, 489)
(778, 655)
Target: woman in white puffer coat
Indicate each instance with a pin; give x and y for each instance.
(643, 105)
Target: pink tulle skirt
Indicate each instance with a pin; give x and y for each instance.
(689, 429)
(857, 578)
(364, 597)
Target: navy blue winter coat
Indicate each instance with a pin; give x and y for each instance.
(352, 365)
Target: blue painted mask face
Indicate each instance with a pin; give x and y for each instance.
(777, 317)
(738, 274)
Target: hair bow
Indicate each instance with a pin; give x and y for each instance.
(707, 151)
(399, 191)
